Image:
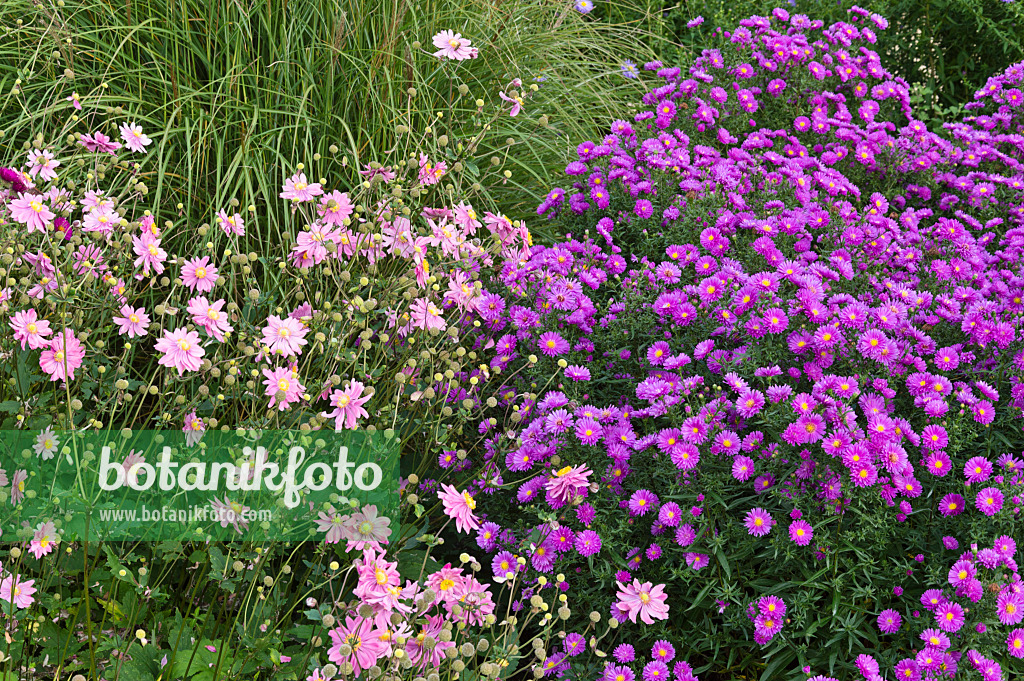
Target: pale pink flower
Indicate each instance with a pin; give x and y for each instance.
(99, 142)
(333, 523)
(199, 275)
(18, 486)
(147, 247)
(29, 329)
(132, 321)
(231, 224)
(233, 513)
(335, 208)
(46, 444)
(459, 506)
(100, 219)
(181, 350)
(516, 102)
(366, 643)
(42, 164)
(283, 387)
(75, 101)
(63, 357)
(431, 173)
(366, 527)
(452, 45)
(427, 316)
(297, 188)
(134, 138)
(43, 539)
(30, 211)
(348, 406)
(284, 336)
(643, 599)
(567, 483)
(194, 428)
(14, 590)
(466, 218)
(210, 316)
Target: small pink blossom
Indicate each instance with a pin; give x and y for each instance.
(459, 506)
(452, 45)
(283, 387)
(63, 357)
(644, 600)
(134, 138)
(348, 406)
(30, 211)
(199, 275)
(181, 350)
(297, 188)
(29, 329)
(284, 336)
(133, 322)
(17, 591)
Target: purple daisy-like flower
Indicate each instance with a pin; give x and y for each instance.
(889, 621)
(577, 373)
(552, 344)
(758, 522)
(801, 532)
(642, 501)
(949, 616)
(989, 501)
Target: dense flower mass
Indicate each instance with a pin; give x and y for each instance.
(792, 299)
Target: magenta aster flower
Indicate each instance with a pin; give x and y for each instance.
(801, 532)
(1015, 643)
(284, 336)
(552, 344)
(977, 469)
(231, 224)
(889, 621)
(577, 373)
(951, 505)
(949, 616)
(643, 600)
(587, 543)
(759, 522)
(742, 468)
(642, 501)
(938, 463)
(452, 45)
(181, 350)
(1010, 608)
(989, 501)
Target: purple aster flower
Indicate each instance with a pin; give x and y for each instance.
(889, 621)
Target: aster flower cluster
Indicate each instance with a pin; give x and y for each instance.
(790, 298)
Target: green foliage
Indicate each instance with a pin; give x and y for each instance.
(244, 89)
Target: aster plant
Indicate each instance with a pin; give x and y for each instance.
(796, 306)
